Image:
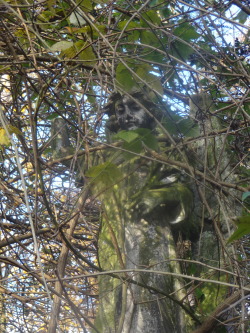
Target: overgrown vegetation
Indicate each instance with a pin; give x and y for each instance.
(65, 58)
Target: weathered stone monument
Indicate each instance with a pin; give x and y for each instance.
(139, 211)
(151, 203)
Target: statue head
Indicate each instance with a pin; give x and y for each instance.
(129, 112)
(130, 115)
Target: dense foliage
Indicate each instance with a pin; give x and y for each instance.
(65, 58)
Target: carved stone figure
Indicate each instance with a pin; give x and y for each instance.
(130, 112)
(138, 213)
(143, 208)
(130, 116)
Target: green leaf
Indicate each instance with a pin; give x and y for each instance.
(132, 147)
(243, 224)
(134, 141)
(186, 31)
(62, 46)
(153, 55)
(86, 5)
(51, 4)
(153, 81)
(192, 269)
(14, 129)
(149, 38)
(245, 195)
(45, 16)
(69, 53)
(199, 294)
(181, 50)
(147, 138)
(127, 136)
(92, 33)
(87, 54)
(177, 125)
(104, 175)
(130, 25)
(242, 220)
(151, 16)
(133, 34)
(165, 12)
(4, 136)
(124, 77)
(76, 19)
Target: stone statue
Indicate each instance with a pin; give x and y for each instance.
(144, 208)
(130, 112)
(139, 210)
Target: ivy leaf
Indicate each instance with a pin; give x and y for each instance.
(87, 54)
(165, 12)
(139, 135)
(177, 125)
(87, 30)
(181, 50)
(76, 19)
(132, 147)
(124, 77)
(199, 294)
(4, 137)
(149, 38)
(134, 141)
(45, 16)
(153, 81)
(86, 5)
(186, 31)
(61, 46)
(148, 138)
(151, 16)
(127, 136)
(104, 175)
(15, 130)
(245, 195)
(133, 34)
(243, 223)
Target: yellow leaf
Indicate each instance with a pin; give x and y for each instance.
(4, 139)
